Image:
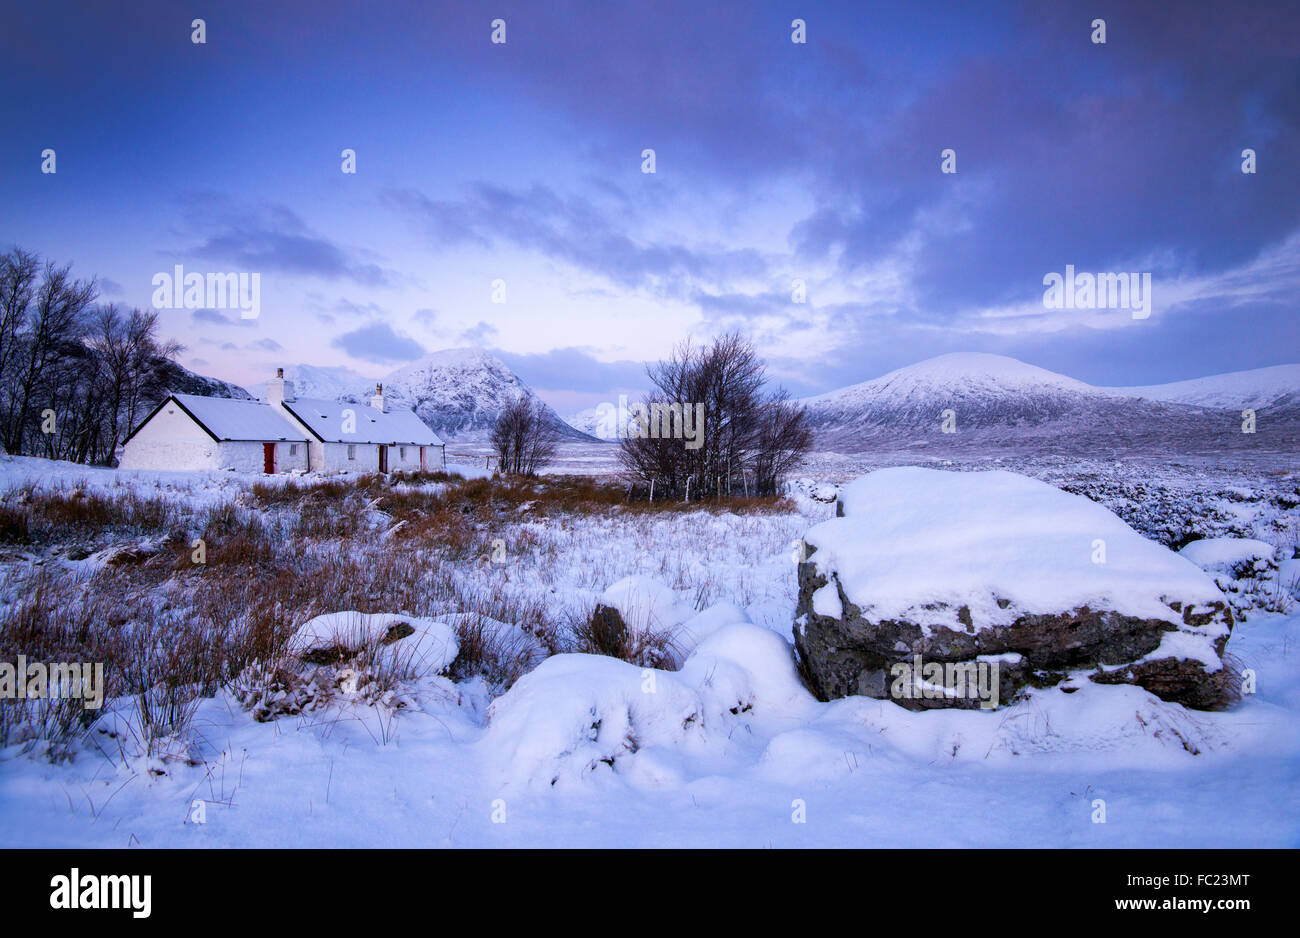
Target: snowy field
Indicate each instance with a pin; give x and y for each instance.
(722, 744)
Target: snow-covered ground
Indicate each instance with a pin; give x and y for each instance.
(860, 772)
(730, 749)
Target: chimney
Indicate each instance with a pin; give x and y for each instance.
(377, 402)
(278, 390)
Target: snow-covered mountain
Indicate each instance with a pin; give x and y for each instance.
(460, 392)
(1278, 386)
(333, 383)
(457, 392)
(982, 389)
(999, 400)
(598, 421)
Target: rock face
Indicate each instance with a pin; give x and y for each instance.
(1002, 574)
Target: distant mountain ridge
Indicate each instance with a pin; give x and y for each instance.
(333, 383)
(1278, 385)
(595, 422)
(997, 400)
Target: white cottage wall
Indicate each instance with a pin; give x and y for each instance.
(171, 440)
(240, 456)
(335, 458)
(182, 455)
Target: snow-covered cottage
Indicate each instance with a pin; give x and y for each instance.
(284, 433)
(186, 431)
(347, 437)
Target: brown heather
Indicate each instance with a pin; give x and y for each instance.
(170, 631)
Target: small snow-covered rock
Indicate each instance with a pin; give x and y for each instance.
(1244, 568)
(1227, 553)
(646, 616)
(579, 715)
(646, 604)
(425, 646)
(746, 668)
(648, 607)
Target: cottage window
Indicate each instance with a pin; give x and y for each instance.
(401, 453)
(352, 451)
(293, 449)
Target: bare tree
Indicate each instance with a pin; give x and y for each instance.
(524, 440)
(18, 270)
(749, 440)
(51, 326)
(97, 369)
(781, 439)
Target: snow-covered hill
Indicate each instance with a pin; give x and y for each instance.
(982, 389)
(1278, 386)
(180, 380)
(457, 392)
(994, 399)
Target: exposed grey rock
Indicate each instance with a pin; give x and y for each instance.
(854, 655)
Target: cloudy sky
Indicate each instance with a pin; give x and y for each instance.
(775, 161)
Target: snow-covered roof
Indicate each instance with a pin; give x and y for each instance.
(228, 419)
(325, 420)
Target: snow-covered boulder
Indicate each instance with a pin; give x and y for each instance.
(645, 604)
(815, 491)
(418, 646)
(1244, 568)
(926, 568)
(578, 717)
(658, 618)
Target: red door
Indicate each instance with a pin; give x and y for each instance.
(268, 458)
(422, 466)
(383, 458)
